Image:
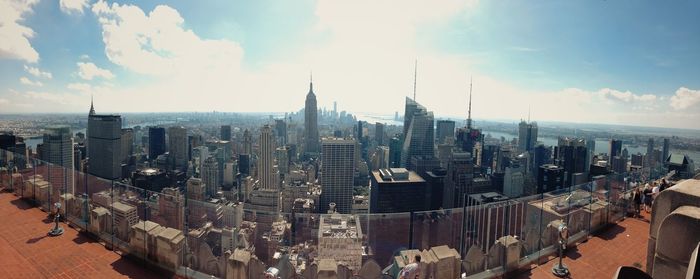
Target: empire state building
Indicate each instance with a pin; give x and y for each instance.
(311, 138)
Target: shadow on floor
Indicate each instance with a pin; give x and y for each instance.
(36, 239)
(611, 232)
(137, 268)
(572, 253)
(23, 205)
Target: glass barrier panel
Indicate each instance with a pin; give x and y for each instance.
(39, 189)
(76, 203)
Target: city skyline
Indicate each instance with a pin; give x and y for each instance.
(618, 65)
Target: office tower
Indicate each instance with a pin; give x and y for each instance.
(335, 110)
(549, 178)
(171, 207)
(58, 151)
(311, 137)
(156, 142)
(619, 164)
(104, 145)
(650, 153)
(226, 132)
(542, 156)
(281, 131)
(666, 150)
(615, 148)
(210, 176)
(125, 216)
(282, 156)
(398, 190)
(637, 160)
(266, 174)
(513, 182)
(395, 152)
(244, 164)
(340, 239)
(247, 142)
(571, 154)
(419, 135)
(230, 171)
(196, 189)
(127, 144)
(380, 159)
(379, 133)
(468, 136)
(445, 129)
(177, 146)
(337, 171)
(458, 181)
(7, 141)
(590, 146)
(527, 136)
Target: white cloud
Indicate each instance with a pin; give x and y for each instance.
(156, 43)
(83, 87)
(88, 71)
(26, 81)
(37, 73)
(73, 6)
(13, 34)
(4, 101)
(685, 98)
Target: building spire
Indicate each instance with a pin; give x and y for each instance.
(528, 113)
(415, 77)
(92, 107)
(311, 82)
(469, 116)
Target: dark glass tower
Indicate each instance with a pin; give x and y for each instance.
(156, 142)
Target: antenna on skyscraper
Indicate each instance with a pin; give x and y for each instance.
(415, 77)
(469, 116)
(311, 81)
(528, 113)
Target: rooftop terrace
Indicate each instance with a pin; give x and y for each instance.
(27, 251)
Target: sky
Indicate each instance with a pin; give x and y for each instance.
(609, 62)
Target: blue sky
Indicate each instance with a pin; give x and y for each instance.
(618, 62)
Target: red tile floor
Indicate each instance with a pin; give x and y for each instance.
(27, 252)
(624, 243)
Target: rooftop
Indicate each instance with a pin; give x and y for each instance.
(27, 251)
(622, 244)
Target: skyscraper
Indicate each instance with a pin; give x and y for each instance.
(468, 136)
(311, 137)
(266, 159)
(395, 152)
(281, 131)
(156, 142)
(247, 142)
(58, 151)
(460, 173)
(445, 129)
(177, 146)
(225, 132)
(379, 133)
(615, 148)
(527, 136)
(210, 176)
(127, 142)
(337, 171)
(419, 135)
(666, 150)
(650, 153)
(104, 145)
(571, 154)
